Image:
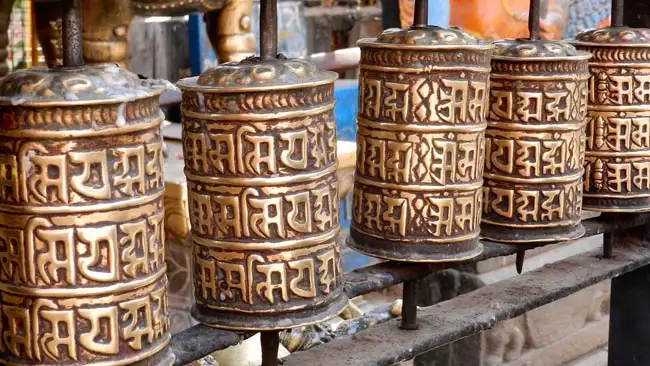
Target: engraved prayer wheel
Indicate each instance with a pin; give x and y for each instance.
(420, 139)
(617, 162)
(82, 267)
(259, 142)
(534, 143)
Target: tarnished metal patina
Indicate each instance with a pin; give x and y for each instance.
(420, 145)
(82, 267)
(617, 162)
(534, 144)
(259, 143)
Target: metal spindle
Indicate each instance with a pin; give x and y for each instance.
(617, 13)
(421, 13)
(72, 41)
(534, 19)
(269, 29)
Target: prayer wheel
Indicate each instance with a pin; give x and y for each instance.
(82, 265)
(423, 95)
(534, 144)
(617, 162)
(259, 142)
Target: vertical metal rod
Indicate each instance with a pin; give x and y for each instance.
(270, 344)
(629, 319)
(421, 13)
(608, 244)
(410, 305)
(519, 261)
(269, 29)
(617, 12)
(534, 19)
(72, 42)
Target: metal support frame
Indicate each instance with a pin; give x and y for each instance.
(470, 313)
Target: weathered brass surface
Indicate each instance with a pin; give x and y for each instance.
(259, 143)
(420, 145)
(617, 162)
(535, 142)
(82, 265)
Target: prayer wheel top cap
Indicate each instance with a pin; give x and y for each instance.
(426, 36)
(526, 49)
(615, 36)
(255, 74)
(75, 86)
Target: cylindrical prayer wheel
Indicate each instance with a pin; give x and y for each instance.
(617, 162)
(420, 140)
(259, 142)
(534, 143)
(82, 267)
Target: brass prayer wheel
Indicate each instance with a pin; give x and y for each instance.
(82, 266)
(534, 143)
(617, 162)
(423, 95)
(259, 142)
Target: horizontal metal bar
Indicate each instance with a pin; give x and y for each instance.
(471, 313)
(339, 60)
(199, 341)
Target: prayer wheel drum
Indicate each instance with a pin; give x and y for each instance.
(259, 142)
(82, 265)
(534, 145)
(420, 141)
(617, 162)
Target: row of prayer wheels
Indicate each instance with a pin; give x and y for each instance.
(452, 131)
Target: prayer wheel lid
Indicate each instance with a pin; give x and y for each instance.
(527, 49)
(255, 74)
(430, 36)
(615, 36)
(75, 86)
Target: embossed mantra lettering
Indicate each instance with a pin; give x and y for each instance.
(450, 101)
(534, 150)
(420, 155)
(82, 248)
(79, 176)
(40, 329)
(617, 162)
(263, 203)
(251, 150)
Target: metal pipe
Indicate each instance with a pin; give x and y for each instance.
(421, 13)
(270, 344)
(534, 19)
(617, 12)
(269, 29)
(410, 305)
(72, 41)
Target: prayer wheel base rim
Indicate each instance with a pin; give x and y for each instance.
(237, 321)
(511, 235)
(423, 252)
(616, 204)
